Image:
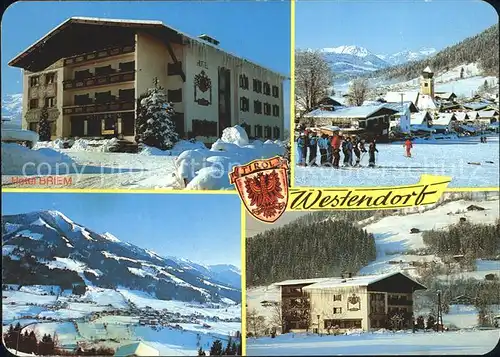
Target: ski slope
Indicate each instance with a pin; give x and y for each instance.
(394, 168)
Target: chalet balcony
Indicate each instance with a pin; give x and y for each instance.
(89, 108)
(111, 78)
(100, 54)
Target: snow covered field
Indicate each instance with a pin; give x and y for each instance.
(75, 323)
(88, 164)
(394, 168)
(431, 343)
(393, 241)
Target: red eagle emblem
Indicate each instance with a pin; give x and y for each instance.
(263, 187)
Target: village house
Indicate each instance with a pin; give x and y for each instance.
(369, 120)
(359, 302)
(402, 119)
(444, 122)
(90, 72)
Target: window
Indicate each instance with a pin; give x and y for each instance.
(257, 86)
(50, 78)
(267, 88)
(83, 74)
(244, 104)
(426, 84)
(267, 109)
(33, 103)
(267, 132)
(257, 107)
(34, 81)
(258, 131)
(343, 324)
(276, 92)
(337, 297)
(337, 310)
(50, 102)
(175, 96)
(126, 66)
(103, 97)
(102, 71)
(126, 95)
(82, 99)
(276, 132)
(276, 110)
(243, 81)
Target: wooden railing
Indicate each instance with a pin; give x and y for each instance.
(99, 108)
(99, 80)
(92, 56)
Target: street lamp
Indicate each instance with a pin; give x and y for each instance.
(318, 323)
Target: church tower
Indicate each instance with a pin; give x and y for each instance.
(427, 82)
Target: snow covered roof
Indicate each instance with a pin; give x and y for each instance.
(361, 112)
(475, 105)
(425, 102)
(420, 127)
(468, 128)
(136, 349)
(330, 128)
(363, 280)
(461, 116)
(487, 113)
(300, 281)
(159, 27)
(443, 119)
(472, 115)
(417, 118)
(395, 97)
(402, 108)
(427, 70)
(445, 95)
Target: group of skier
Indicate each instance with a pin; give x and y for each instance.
(329, 147)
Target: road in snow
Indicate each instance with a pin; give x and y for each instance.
(431, 343)
(394, 168)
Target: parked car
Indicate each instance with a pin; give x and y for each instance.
(14, 134)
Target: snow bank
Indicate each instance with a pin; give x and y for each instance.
(204, 169)
(179, 148)
(17, 159)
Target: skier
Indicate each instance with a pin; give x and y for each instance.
(349, 151)
(345, 151)
(323, 145)
(357, 152)
(329, 149)
(306, 145)
(371, 151)
(313, 149)
(336, 151)
(408, 145)
(301, 144)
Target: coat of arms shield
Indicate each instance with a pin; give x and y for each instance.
(263, 187)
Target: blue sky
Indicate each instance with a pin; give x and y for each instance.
(202, 228)
(263, 37)
(383, 26)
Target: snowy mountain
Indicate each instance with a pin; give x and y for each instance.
(407, 56)
(356, 60)
(12, 106)
(65, 253)
(352, 60)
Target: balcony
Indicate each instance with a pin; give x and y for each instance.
(399, 302)
(92, 56)
(94, 81)
(115, 106)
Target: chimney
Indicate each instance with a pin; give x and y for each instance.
(209, 39)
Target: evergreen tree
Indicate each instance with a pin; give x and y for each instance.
(461, 73)
(420, 323)
(44, 125)
(154, 125)
(431, 322)
(201, 352)
(216, 349)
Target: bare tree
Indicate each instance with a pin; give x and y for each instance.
(255, 323)
(276, 319)
(313, 79)
(358, 91)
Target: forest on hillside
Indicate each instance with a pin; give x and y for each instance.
(482, 48)
(309, 247)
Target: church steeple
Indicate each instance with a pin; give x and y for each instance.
(427, 82)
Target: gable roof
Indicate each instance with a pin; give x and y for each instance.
(75, 33)
(418, 118)
(473, 115)
(401, 109)
(137, 348)
(461, 116)
(362, 280)
(395, 97)
(300, 281)
(425, 102)
(475, 105)
(443, 119)
(445, 95)
(487, 113)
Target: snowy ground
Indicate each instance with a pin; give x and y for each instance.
(393, 240)
(74, 323)
(431, 343)
(394, 168)
(88, 164)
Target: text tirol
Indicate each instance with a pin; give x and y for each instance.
(427, 191)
